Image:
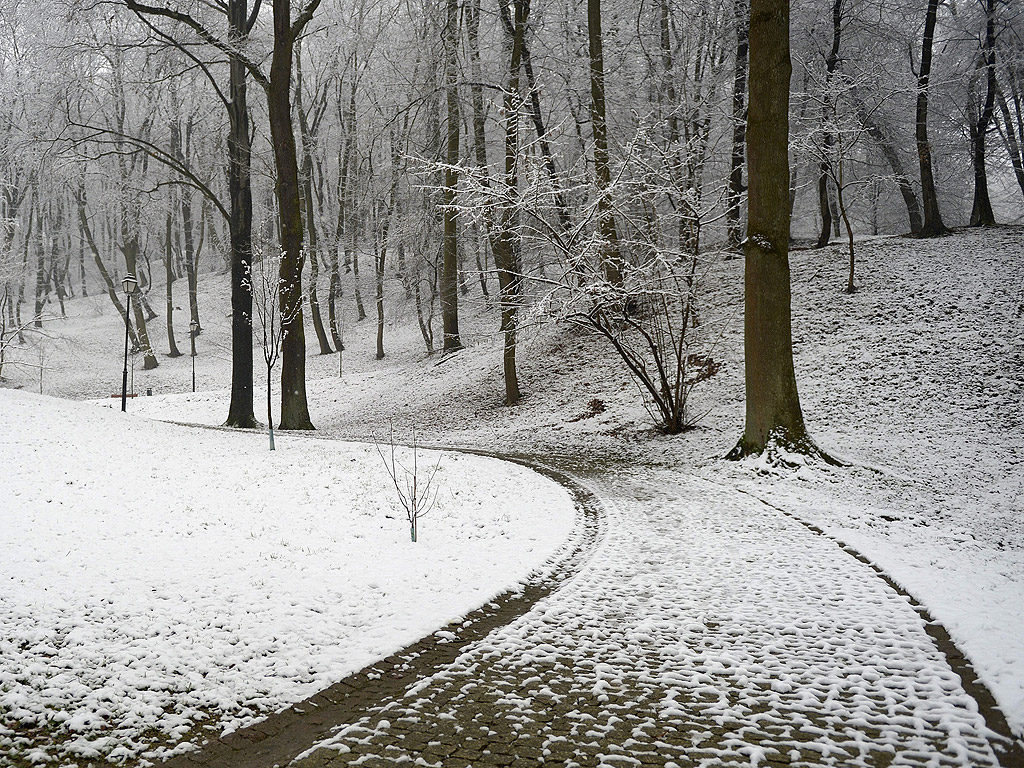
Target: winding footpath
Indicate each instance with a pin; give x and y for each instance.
(684, 624)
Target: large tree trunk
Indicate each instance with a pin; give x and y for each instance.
(449, 248)
(507, 238)
(610, 255)
(773, 412)
(933, 225)
(981, 211)
(294, 409)
(240, 408)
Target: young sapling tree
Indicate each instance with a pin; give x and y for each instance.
(265, 284)
(416, 494)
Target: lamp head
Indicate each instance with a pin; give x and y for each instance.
(129, 284)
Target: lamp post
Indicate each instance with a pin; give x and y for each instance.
(193, 328)
(129, 284)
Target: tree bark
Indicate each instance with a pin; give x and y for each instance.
(610, 254)
(981, 210)
(773, 413)
(240, 407)
(824, 208)
(307, 198)
(191, 277)
(741, 14)
(169, 280)
(507, 238)
(933, 225)
(449, 249)
(379, 263)
(294, 408)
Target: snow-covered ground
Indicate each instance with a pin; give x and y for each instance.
(917, 380)
(155, 576)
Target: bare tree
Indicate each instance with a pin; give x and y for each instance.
(980, 118)
(309, 123)
(240, 20)
(449, 249)
(294, 409)
(610, 254)
(933, 225)
(265, 287)
(416, 494)
(741, 25)
(507, 238)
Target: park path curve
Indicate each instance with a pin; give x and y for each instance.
(685, 624)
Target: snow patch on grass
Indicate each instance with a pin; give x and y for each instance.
(155, 577)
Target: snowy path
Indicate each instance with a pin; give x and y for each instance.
(707, 629)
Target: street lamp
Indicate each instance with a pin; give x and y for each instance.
(193, 328)
(129, 284)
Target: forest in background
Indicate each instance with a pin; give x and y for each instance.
(584, 164)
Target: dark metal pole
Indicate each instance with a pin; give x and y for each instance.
(193, 360)
(124, 378)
